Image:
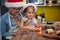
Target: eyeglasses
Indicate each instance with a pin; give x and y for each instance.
(17, 8)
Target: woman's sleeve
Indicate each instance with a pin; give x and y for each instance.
(3, 28)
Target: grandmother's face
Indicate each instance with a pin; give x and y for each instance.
(14, 11)
(30, 12)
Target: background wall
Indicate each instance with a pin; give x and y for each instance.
(51, 13)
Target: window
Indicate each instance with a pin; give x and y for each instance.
(37, 2)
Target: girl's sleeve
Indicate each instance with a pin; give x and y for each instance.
(34, 22)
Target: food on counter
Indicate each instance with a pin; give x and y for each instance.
(49, 31)
(57, 25)
(40, 31)
(58, 32)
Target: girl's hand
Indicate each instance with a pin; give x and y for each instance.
(24, 19)
(15, 33)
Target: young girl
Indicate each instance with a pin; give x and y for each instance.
(29, 21)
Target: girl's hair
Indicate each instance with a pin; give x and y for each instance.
(26, 9)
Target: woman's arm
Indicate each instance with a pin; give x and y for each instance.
(3, 27)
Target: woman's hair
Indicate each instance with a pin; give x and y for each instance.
(26, 9)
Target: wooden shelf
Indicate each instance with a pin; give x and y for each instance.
(52, 3)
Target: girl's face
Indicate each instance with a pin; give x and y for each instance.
(30, 12)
